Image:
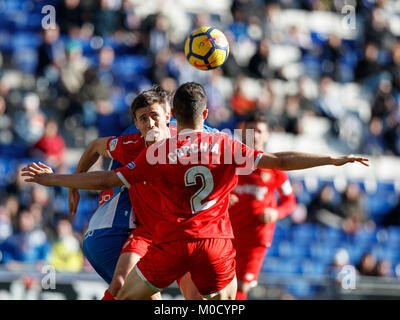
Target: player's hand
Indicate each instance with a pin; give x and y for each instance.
(270, 215)
(73, 200)
(38, 173)
(339, 161)
(233, 199)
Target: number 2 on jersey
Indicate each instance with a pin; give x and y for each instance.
(207, 186)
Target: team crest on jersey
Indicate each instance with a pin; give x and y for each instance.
(113, 144)
(265, 176)
(130, 165)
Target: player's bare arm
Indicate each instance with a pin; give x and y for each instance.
(95, 149)
(95, 180)
(298, 160)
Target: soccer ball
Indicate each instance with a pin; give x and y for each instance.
(206, 48)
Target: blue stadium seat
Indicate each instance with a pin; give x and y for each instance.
(382, 252)
(23, 39)
(364, 238)
(25, 59)
(323, 252)
(393, 239)
(329, 235)
(304, 233)
(318, 38)
(270, 265)
(356, 251)
(289, 266)
(282, 231)
(302, 289)
(289, 249)
(8, 169)
(278, 266)
(314, 268)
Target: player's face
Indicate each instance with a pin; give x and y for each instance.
(152, 122)
(261, 134)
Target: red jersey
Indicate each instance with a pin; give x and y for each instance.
(145, 200)
(256, 192)
(194, 172)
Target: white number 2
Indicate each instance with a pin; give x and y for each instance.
(207, 186)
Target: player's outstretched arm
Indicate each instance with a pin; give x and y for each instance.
(95, 149)
(298, 160)
(95, 180)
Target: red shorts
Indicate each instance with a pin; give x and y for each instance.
(211, 263)
(136, 244)
(249, 260)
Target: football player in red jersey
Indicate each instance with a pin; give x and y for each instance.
(195, 172)
(254, 214)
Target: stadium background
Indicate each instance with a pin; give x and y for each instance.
(328, 84)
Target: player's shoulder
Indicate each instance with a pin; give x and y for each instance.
(131, 138)
(279, 175)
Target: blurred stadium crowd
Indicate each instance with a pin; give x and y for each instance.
(296, 60)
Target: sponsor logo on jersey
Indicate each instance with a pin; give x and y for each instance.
(130, 141)
(265, 176)
(113, 144)
(131, 165)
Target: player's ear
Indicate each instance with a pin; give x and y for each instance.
(167, 117)
(205, 114)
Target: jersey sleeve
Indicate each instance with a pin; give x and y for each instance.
(287, 201)
(137, 171)
(245, 157)
(122, 148)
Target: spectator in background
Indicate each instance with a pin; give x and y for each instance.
(51, 51)
(6, 228)
(292, 115)
(69, 16)
(108, 17)
(330, 56)
(377, 29)
(353, 209)
(6, 135)
(384, 269)
(93, 89)
(158, 39)
(374, 142)
(392, 131)
(394, 66)
(28, 245)
(105, 71)
(219, 113)
(29, 123)
(368, 66)
(258, 64)
(66, 254)
(323, 209)
(241, 104)
(51, 146)
(384, 101)
(11, 205)
(72, 72)
(328, 104)
(367, 265)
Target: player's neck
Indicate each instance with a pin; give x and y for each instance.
(189, 127)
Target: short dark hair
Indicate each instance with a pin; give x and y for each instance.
(256, 116)
(189, 102)
(147, 98)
